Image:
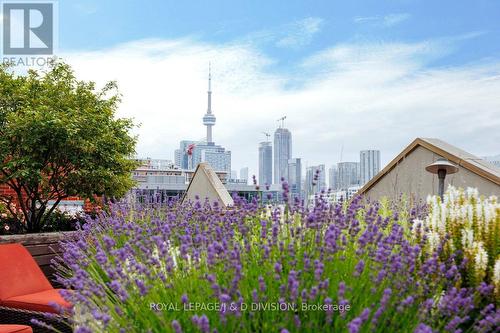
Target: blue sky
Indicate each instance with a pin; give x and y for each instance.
(99, 24)
(352, 74)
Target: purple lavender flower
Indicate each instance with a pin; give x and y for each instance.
(329, 309)
(422, 328)
(341, 290)
(293, 285)
(203, 324)
(81, 329)
(116, 287)
(176, 326)
(296, 321)
(360, 266)
(262, 284)
(108, 242)
(143, 290)
(47, 326)
(408, 301)
(318, 269)
(354, 325)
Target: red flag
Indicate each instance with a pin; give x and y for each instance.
(189, 149)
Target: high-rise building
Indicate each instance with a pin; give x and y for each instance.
(333, 178)
(315, 180)
(234, 174)
(265, 163)
(181, 158)
(244, 174)
(348, 174)
(191, 153)
(294, 176)
(321, 177)
(217, 156)
(282, 153)
(369, 165)
(178, 158)
(309, 182)
(495, 160)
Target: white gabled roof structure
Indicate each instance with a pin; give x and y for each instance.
(461, 158)
(206, 185)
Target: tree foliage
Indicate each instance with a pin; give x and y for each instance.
(59, 137)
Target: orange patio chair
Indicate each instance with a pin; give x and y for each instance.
(15, 329)
(25, 292)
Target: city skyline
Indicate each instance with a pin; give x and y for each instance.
(358, 77)
(275, 160)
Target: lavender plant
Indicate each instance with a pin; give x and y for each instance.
(172, 267)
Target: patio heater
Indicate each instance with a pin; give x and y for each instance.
(442, 167)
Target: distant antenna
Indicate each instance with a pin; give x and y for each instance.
(209, 76)
(267, 135)
(282, 121)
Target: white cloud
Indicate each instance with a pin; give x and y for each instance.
(393, 19)
(386, 21)
(300, 33)
(363, 19)
(359, 96)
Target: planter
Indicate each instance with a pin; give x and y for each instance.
(42, 246)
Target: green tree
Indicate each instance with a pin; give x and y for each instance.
(58, 138)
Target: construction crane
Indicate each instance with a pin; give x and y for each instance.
(267, 135)
(282, 120)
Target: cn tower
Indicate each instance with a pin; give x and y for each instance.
(209, 118)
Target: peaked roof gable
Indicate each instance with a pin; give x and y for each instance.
(212, 187)
(453, 154)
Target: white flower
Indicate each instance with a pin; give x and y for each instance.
(441, 223)
(467, 238)
(472, 192)
(434, 239)
(489, 212)
(471, 218)
(496, 276)
(470, 213)
(430, 199)
(417, 226)
(433, 222)
(496, 272)
(493, 199)
(480, 258)
(463, 212)
(452, 194)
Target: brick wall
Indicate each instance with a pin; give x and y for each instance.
(6, 190)
(87, 206)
